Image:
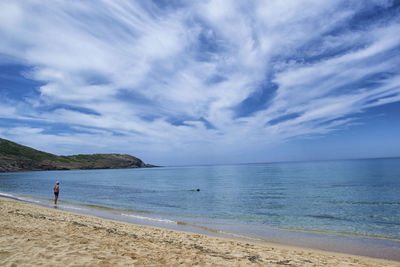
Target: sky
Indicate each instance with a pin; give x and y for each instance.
(202, 82)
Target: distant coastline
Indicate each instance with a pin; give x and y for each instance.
(283, 161)
(15, 157)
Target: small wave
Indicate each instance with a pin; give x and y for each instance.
(241, 236)
(71, 207)
(328, 217)
(6, 195)
(149, 218)
(371, 203)
(18, 197)
(376, 203)
(93, 206)
(28, 199)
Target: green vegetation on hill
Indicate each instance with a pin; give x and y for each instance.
(14, 150)
(15, 157)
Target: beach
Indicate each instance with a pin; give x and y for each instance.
(34, 235)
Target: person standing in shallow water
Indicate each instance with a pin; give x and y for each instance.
(56, 191)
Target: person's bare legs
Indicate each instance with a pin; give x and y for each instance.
(55, 199)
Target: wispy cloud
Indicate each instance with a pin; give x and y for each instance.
(197, 79)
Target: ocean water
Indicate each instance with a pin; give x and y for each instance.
(353, 198)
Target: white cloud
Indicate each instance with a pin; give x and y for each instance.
(149, 75)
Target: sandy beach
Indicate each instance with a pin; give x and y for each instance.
(32, 235)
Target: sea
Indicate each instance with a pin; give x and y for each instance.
(350, 206)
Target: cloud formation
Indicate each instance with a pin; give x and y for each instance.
(193, 80)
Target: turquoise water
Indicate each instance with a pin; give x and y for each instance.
(353, 197)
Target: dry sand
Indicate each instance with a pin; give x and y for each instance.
(32, 235)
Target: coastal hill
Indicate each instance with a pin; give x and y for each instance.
(15, 157)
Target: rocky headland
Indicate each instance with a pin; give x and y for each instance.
(15, 157)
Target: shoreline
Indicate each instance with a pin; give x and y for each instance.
(36, 235)
(381, 248)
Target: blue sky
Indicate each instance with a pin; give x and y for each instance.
(199, 82)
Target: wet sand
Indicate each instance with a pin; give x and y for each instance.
(32, 235)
